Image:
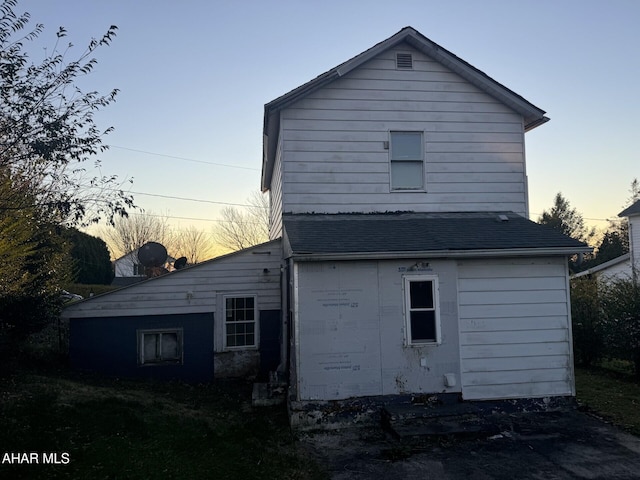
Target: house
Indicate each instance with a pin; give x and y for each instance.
(216, 318)
(401, 259)
(627, 265)
(129, 270)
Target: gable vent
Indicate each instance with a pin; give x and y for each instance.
(404, 61)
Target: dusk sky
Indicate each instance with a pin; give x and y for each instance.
(194, 77)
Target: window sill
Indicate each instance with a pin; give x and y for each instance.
(235, 349)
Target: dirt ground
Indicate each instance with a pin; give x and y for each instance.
(541, 446)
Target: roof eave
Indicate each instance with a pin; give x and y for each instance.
(478, 253)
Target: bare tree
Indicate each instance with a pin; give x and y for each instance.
(130, 233)
(244, 227)
(195, 245)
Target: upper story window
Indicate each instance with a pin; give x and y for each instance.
(421, 309)
(407, 160)
(240, 320)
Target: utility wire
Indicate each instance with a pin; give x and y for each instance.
(184, 158)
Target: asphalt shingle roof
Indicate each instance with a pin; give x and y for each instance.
(634, 209)
(418, 232)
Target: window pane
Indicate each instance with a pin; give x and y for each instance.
(250, 302)
(406, 146)
(150, 342)
(169, 346)
(421, 294)
(406, 175)
(423, 326)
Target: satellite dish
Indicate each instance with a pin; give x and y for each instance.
(180, 263)
(152, 254)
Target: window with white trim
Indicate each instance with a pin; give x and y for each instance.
(406, 153)
(240, 320)
(160, 346)
(422, 309)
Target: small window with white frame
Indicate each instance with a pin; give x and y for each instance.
(160, 346)
(406, 153)
(240, 321)
(422, 313)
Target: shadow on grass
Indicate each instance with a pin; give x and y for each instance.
(138, 430)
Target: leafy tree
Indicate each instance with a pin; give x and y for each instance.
(588, 339)
(568, 221)
(91, 259)
(242, 228)
(47, 128)
(634, 193)
(34, 262)
(620, 309)
(47, 137)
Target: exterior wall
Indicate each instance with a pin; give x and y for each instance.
(506, 330)
(634, 241)
(333, 155)
(515, 328)
(124, 265)
(275, 196)
(620, 271)
(350, 331)
(110, 346)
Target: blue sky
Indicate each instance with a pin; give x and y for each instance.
(194, 77)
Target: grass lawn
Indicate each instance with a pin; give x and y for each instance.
(613, 395)
(140, 430)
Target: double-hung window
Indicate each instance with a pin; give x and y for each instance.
(240, 320)
(422, 309)
(159, 346)
(407, 160)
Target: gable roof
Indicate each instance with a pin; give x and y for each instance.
(393, 235)
(533, 116)
(170, 275)
(634, 209)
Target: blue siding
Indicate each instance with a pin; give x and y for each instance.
(109, 346)
(270, 339)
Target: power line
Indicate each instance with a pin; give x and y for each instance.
(187, 218)
(184, 158)
(172, 197)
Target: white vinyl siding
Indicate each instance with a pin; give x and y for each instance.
(514, 329)
(275, 197)
(333, 143)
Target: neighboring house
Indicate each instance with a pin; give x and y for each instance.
(400, 237)
(129, 270)
(625, 266)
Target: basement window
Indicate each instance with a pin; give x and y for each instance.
(422, 314)
(240, 322)
(160, 347)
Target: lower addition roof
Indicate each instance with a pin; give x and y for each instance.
(404, 234)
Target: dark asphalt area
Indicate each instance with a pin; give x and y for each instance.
(558, 445)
